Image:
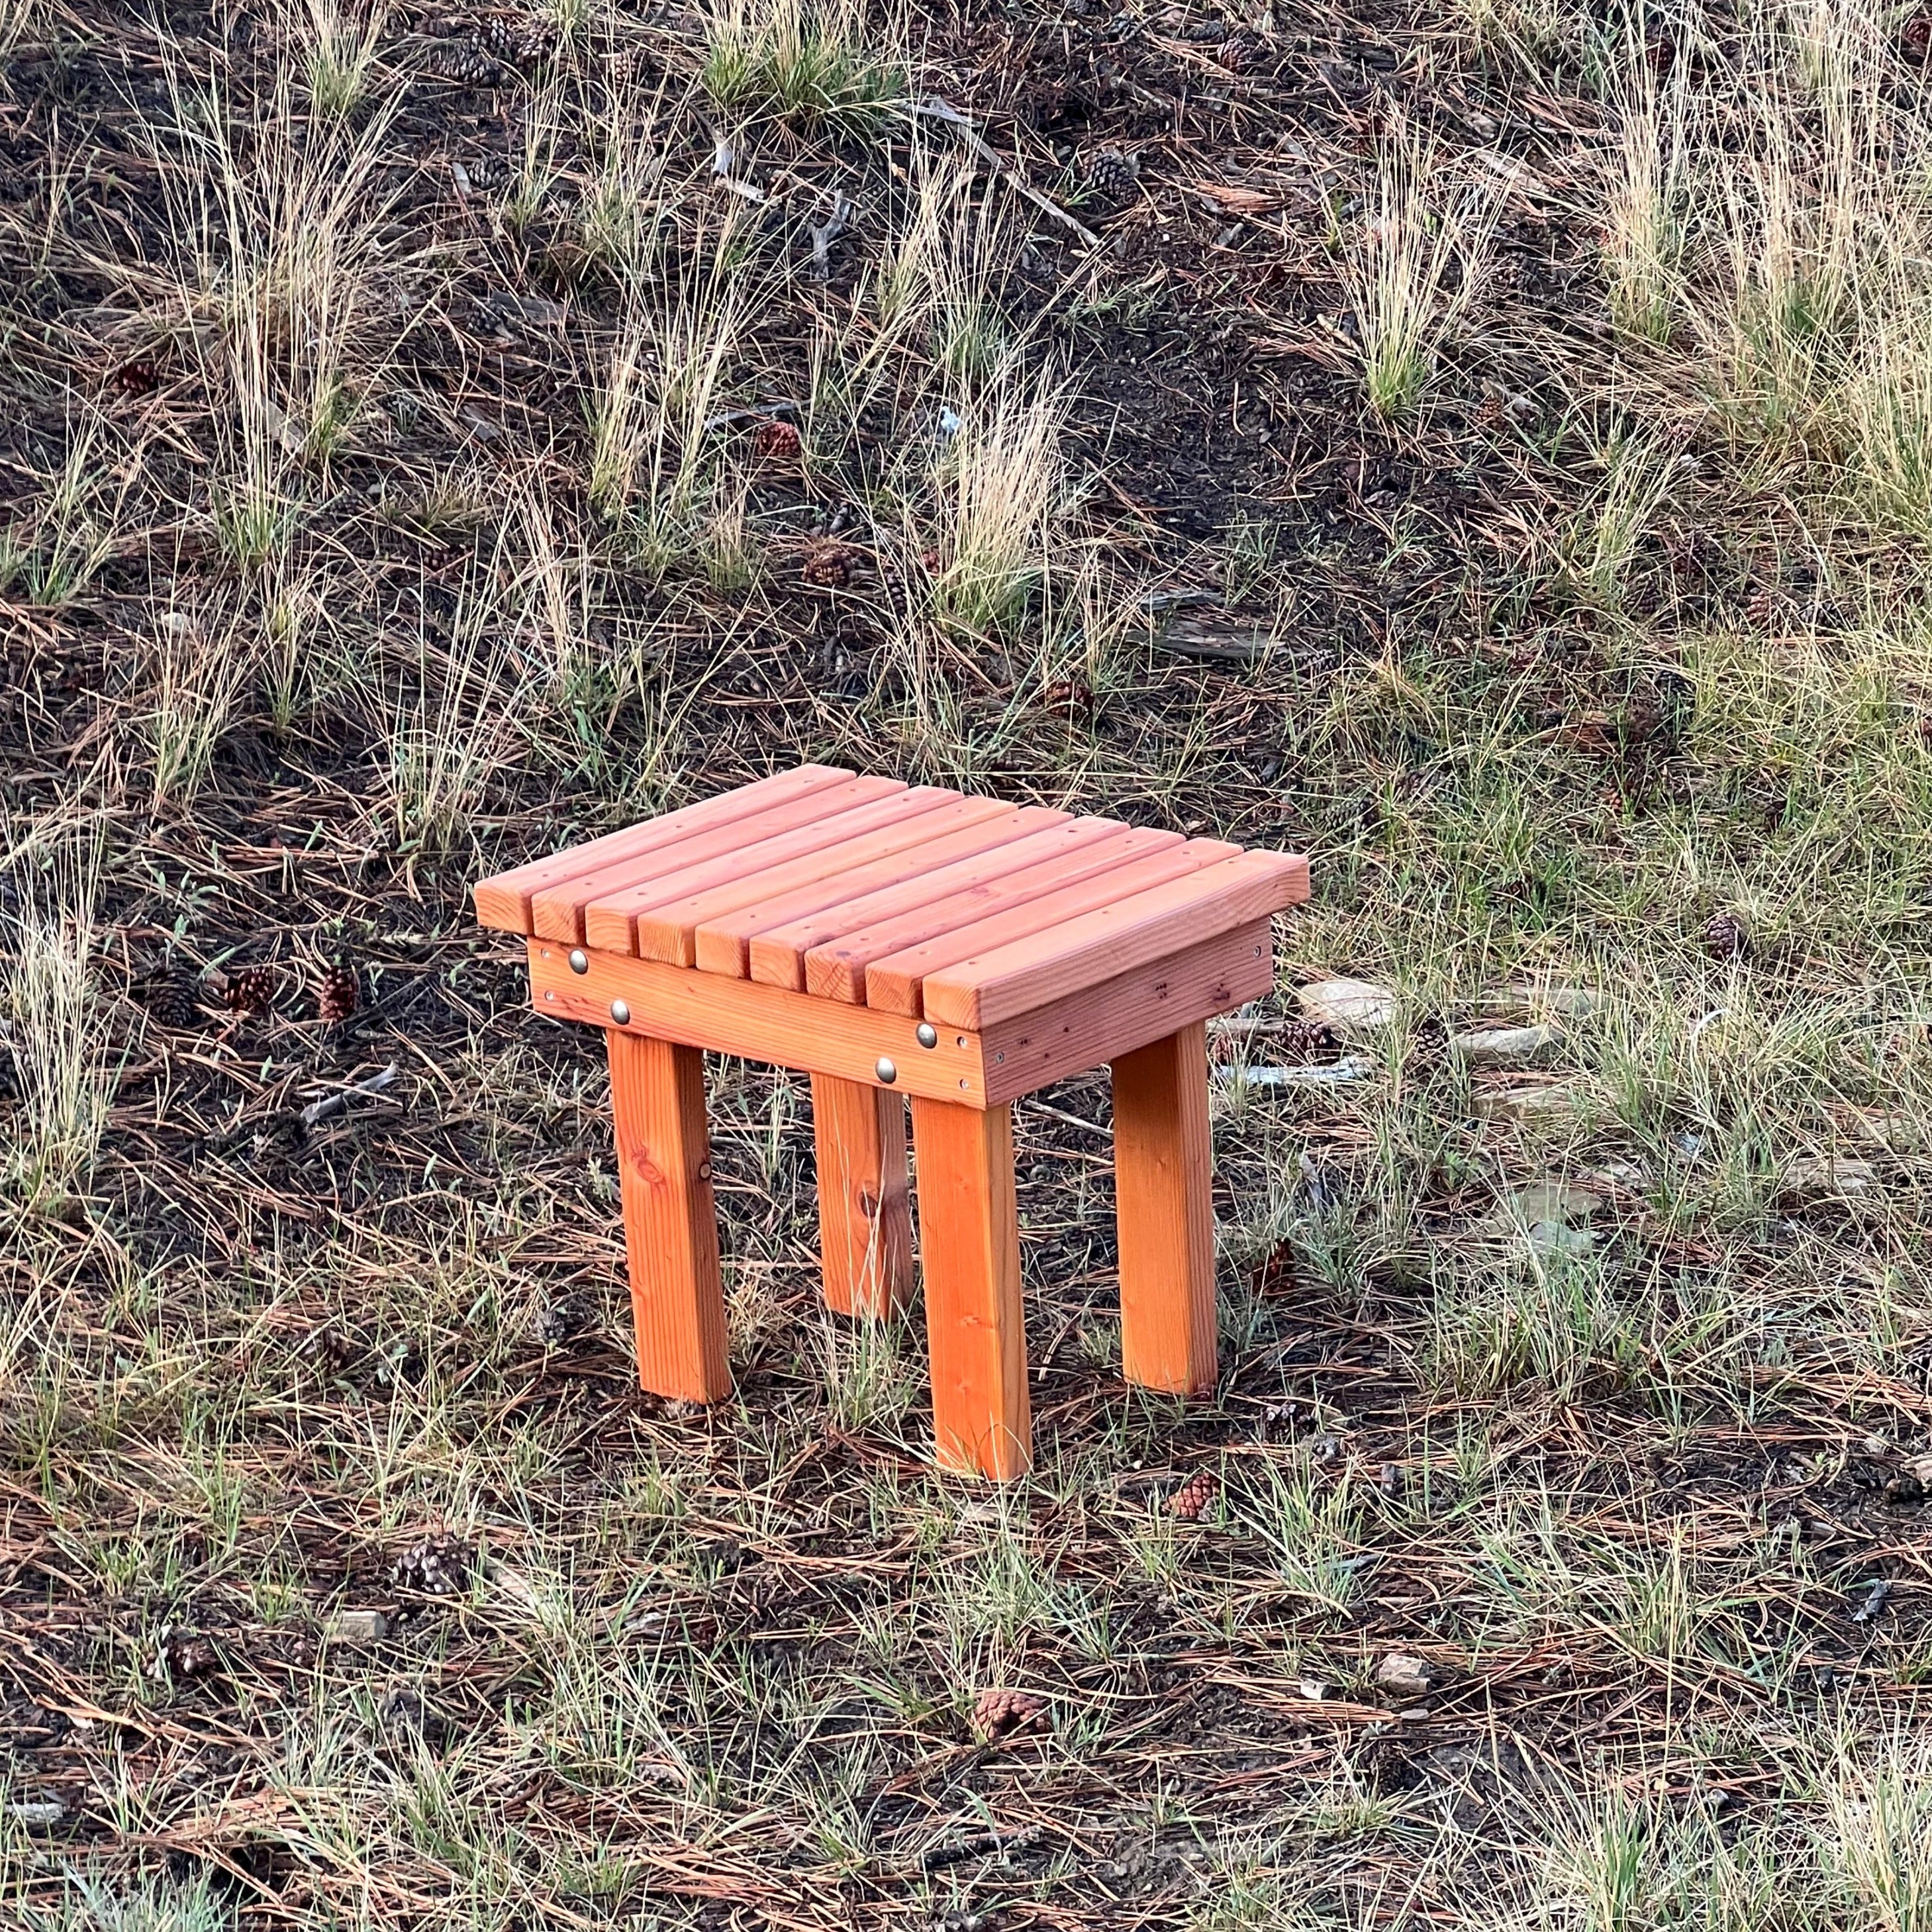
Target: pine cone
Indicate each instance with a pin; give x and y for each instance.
(517, 43)
(486, 173)
(439, 1566)
(1309, 1040)
(251, 992)
(339, 994)
(1726, 936)
(1195, 1497)
(1006, 1714)
(827, 566)
(1277, 1274)
(1237, 53)
(777, 441)
(1429, 1041)
(466, 65)
(139, 377)
(186, 1656)
(1110, 175)
(171, 997)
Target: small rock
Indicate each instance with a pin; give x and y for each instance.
(359, 1626)
(1828, 1176)
(1407, 1676)
(37, 1814)
(1313, 1689)
(1551, 1101)
(1504, 1046)
(1359, 1004)
(1564, 1002)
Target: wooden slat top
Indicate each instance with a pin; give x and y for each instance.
(916, 900)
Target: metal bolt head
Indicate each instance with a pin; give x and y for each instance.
(579, 961)
(886, 1071)
(620, 1012)
(929, 1033)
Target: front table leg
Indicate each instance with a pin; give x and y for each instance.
(1163, 1162)
(975, 1321)
(671, 1223)
(865, 1220)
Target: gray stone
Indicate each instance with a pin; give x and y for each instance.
(1504, 1046)
(1356, 1004)
(363, 1626)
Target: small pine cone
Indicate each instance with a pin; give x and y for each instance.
(1431, 1040)
(827, 566)
(172, 998)
(1195, 1497)
(1006, 1714)
(1111, 174)
(517, 43)
(1237, 53)
(777, 441)
(1914, 37)
(1308, 1039)
(139, 377)
(1276, 1275)
(487, 173)
(339, 995)
(186, 1656)
(1726, 936)
(251, 992)
(439, 1566)
(467, 64)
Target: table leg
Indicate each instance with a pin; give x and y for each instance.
(1163, 1159)
(671, 1223)
(975, 1321)
(865, 1216)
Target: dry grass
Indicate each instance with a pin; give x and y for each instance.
(1490, 453)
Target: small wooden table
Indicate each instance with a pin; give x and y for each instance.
(891, 940)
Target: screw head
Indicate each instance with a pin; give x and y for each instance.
(579, 961)
(620, 1012)
(929, 1033)
(886, 1071)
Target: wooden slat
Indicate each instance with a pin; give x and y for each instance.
(864, 1211)
(669, 931)
(1163, 1180)
(765, 1023)
(1097, 1023)
(671, 1225)
(975, 1319)
(1063, 959)
(893, 979)
(837, 969)
(504, 902)
(724, 940)
(778, 954)
(557, 911)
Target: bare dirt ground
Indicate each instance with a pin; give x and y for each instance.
(1489, 450)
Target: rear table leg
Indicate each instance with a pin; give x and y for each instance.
(1163, 1157)
(670, 1224)
(975, 1322)
(864, 1218)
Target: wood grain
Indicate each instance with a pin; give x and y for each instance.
(505, 901)
(895, 828)
(1096, 1025)
(1033, 972)
(557, 911)
(1163, 1178)
(894, 980)
(777, 955)
(975, 1319)
(671, 1225)
(837, 969)
(865, 1210)
(766, 1023)
(724, 941)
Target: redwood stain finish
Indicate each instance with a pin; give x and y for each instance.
(1163, 1166)
(865, 1208)
(670, 1226)
(900, 943)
